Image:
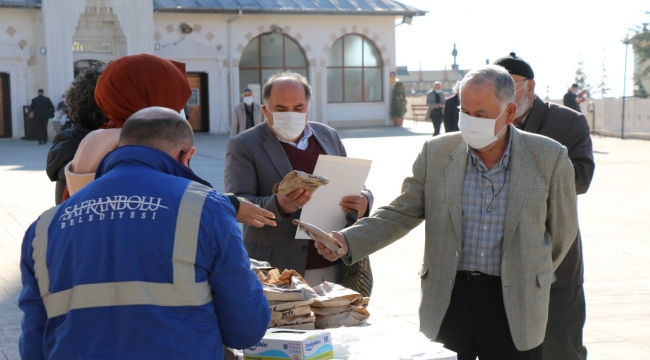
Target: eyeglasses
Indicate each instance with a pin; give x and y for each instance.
(493, 195)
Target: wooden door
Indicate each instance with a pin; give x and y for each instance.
(198, 102)
(5, 106)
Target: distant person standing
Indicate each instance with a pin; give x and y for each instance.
(43, 110)
(247, 114)
(573, 97)
(436, 101)
(62, 110)
(451, 110)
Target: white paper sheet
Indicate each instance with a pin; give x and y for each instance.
(346, 176)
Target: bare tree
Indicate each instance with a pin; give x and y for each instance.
(581, 79)
(602, 88)
(641, 45)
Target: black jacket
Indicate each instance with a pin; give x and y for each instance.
(570, 129)
(451, 113)
(42, 107)
(570, 101)
(64, 146)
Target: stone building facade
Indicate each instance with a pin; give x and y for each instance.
(347, 53)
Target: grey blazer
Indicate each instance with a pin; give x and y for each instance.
(571, 129)
(255, 161)
(238, 123)
(540, 225)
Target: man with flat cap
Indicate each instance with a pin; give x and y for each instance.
(247, 114)
(566, 316)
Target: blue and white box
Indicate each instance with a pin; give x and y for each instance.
(293, 345)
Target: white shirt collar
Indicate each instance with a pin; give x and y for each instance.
(303, 142)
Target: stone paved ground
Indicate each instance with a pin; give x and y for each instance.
(614, 217)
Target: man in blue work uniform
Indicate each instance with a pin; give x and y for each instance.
(146, 262)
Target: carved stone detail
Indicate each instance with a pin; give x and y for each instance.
(188, 49)
(13, 51)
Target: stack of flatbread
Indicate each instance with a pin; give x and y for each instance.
(289, 298)
(336, 306)
(296, 305)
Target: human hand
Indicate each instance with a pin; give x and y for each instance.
(329, 254)
(294, 201)
(355, 202)
(253, 215)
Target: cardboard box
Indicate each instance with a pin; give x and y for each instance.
(292, 345)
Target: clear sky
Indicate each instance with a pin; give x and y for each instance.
(552, 35)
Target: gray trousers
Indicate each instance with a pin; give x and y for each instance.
(566, 318)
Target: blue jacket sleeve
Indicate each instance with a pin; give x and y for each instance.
(242, 310)
(31, 304)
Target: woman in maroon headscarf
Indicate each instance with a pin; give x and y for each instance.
(127, 85)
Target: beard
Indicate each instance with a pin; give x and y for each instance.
(522, 106)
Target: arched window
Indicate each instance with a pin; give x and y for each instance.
(354, 71)
(269, 54)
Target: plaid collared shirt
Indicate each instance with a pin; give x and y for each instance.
(485, 199)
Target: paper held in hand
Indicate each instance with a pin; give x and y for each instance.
(320, 236)
(346, 177)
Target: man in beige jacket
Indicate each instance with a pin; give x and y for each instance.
(500, 211)
(247, 114)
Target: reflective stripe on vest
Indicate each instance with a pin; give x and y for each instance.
(184, 291)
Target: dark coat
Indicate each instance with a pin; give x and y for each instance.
(570, 129)
(64, 146)
(451, 113)
(42, 107)
(570, 101)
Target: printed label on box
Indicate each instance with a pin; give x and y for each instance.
(293, 345)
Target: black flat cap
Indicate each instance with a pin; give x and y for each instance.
(516, 66)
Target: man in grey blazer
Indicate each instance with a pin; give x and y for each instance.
(247, 114)
(567, 309)
(259, 158)
(500, 211)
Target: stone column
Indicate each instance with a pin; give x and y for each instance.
(60, 19)
(136, 20)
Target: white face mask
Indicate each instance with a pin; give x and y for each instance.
(289, 125)
(248, 100)
(478, 132)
